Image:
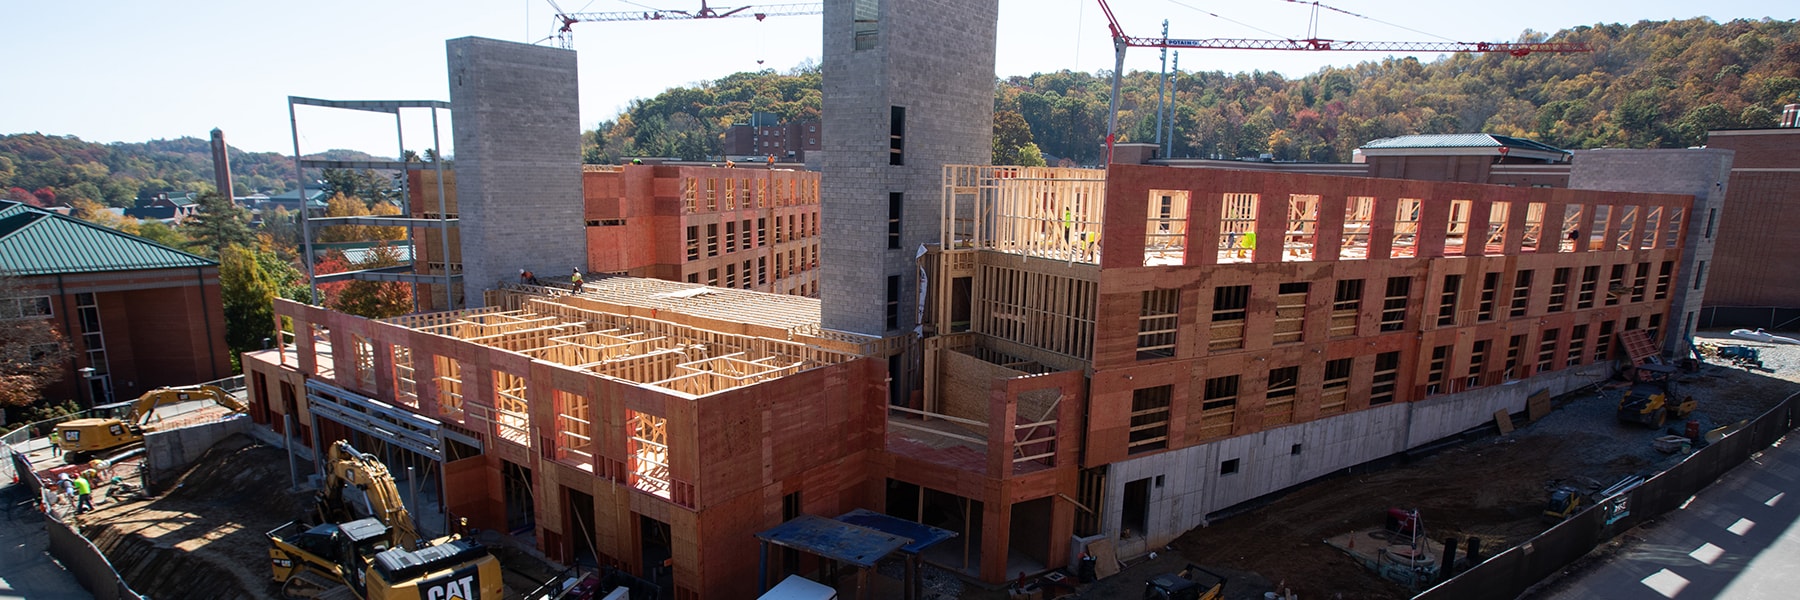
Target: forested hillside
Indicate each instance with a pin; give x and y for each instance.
(49, 169)
(1649, 84)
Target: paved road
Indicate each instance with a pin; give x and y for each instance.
(26, 570)
(1736, 539)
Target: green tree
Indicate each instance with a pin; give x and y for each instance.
(1011, 133)
(162, 233)
(1030, 156)
(248, 294)
(218, 224)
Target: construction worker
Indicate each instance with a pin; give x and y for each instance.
(66, 486)
(84, 494)
(576, 278)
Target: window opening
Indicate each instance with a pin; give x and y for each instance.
(1393, 305)
(1406, 228)
(1387, 371)
(1278, 402)
(1157, 324)
(1346, 307)
(1218, 406)
(1229, 304)
(1336, 388)
(1290, 312)
(1359, 217)
(1521, 294)
(1149, 419)
(1447, 301)
(1237, 228)
(1302, 228)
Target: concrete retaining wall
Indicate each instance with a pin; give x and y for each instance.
(168, 452)
(1269, 461)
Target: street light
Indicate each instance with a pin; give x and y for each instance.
(87, 384)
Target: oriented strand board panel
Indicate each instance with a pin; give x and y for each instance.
(1504, 421)
(1538, 405)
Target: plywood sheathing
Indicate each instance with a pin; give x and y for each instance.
(1117, 370)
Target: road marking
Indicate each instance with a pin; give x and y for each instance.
(1741, 527)
(1777, 498)
(1707, 553)
(1665, 582)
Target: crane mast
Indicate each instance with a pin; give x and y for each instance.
(1311, 44)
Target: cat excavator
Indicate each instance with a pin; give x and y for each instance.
(366, 546)
(121, 424)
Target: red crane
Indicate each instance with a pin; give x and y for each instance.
(1314, 43)
(565, 22)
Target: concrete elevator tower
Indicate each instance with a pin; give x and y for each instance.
(908, 88)
(515, 116)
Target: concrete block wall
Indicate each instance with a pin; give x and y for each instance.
(1194, 488)
(517, 127)
(1702, 172)
(935, 58)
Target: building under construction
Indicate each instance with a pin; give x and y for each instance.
(1040, 361)
(1107, 356)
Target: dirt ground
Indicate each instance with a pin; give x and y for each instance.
(204, 537)
(1492, 487)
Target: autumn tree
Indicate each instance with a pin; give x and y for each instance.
(33, 353)
(341, 205)
(375, 299)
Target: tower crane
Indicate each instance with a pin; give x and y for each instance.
(1312, 44)
(565, 22)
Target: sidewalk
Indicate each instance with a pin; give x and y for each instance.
(1736, 539)
(27, 571)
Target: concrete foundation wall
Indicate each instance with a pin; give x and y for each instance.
(1267, 462)
(167, 453)
(517, 129)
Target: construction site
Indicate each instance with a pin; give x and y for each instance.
(954, 379)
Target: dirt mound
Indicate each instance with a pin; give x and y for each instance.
(159, 568)
(241, 473)
(204, 537)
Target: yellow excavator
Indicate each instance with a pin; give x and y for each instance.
(367, 546)
(120, 424)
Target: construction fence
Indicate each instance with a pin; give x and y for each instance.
(1510, 573)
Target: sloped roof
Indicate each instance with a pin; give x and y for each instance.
(38, 242)
(1461, 140)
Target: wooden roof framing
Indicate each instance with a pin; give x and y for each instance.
(685, 338)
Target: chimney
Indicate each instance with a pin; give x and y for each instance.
(221, 164)
(1790, 115)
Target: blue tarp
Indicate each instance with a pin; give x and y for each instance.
(922, 535)
(836, 540)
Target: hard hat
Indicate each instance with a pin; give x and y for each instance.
(62, 476)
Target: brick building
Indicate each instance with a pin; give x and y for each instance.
(1752, 282)
(140, 314)
(765, 135)
(1328, 321)
(750, 228)
(636, 422)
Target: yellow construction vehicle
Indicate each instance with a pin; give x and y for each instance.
(1651, 404)
(120, 424)
(368, 546)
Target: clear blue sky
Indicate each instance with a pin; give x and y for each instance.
(133, 71)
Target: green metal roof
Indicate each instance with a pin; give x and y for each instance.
(34, 241)
(1461, 140)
